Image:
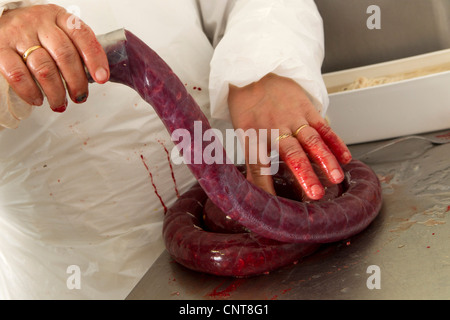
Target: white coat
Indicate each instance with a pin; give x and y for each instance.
(80, 216)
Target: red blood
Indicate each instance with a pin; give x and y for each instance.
(228, 290)
(336, 145)
(60, 109)
(171, 169)
(445, 136)
(306, 177)
(153, 184)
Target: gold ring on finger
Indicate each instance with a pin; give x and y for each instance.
(284, 136)
(300, 129)
(29, 51)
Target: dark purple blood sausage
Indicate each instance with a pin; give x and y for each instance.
(282, 230)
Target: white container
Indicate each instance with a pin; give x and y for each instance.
(405, 107)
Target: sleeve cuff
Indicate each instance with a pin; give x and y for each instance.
(287, 43)
(9, 5)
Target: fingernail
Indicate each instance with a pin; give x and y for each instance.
(62, 108)
(38, 102)
(347, 156)
(81, 98)
(317, 192)
(101, 75)
(337, 175)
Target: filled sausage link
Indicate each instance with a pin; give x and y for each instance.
(299, 226)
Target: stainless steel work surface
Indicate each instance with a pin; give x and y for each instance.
(403, 254)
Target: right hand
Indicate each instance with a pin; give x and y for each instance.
(276, 102)
(65, 50)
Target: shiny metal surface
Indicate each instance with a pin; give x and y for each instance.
(408, 242)
(403, 148)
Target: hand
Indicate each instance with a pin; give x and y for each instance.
(64, 50)
(276, 102)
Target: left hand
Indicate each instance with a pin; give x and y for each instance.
(276, 102)
(58, 52)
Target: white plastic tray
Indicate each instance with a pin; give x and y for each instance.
(386, 111)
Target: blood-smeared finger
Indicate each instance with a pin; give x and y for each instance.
(84, 39)
(19, 78)
(298, 162)
(320, 154)
(332, 140)
(46, 73)
(68, 61)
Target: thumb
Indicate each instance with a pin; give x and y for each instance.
(254, 175)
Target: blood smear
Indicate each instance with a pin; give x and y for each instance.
(153, 184)
(171, 168)
(227, 291)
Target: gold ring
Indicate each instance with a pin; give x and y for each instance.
(29, 51)
(300, 129)
(284, 136)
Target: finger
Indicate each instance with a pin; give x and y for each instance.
(332, 140)
(254, 175)
(320, 154)
(19, 78)
(257, 160)
(68, 61)
(88, 47)
(298, 162)
(46, 73)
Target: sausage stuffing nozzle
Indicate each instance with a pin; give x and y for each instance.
(113, 44)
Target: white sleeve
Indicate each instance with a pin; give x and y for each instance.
(9, 5)
(214, 15)
(269, 36)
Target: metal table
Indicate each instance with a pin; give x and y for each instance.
(403, 254)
